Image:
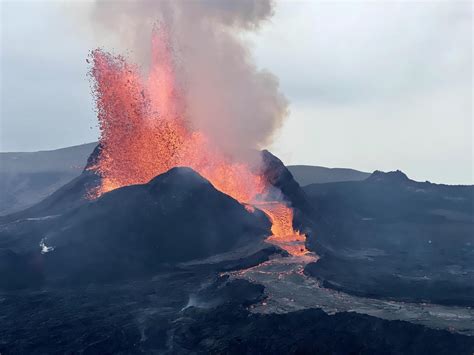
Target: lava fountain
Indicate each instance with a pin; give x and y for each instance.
(145, 132)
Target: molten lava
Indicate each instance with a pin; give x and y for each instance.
(144, 133)
(283, 233)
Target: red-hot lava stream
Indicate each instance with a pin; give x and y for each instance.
(144, 133)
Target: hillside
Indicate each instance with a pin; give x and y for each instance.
(399, 238)
(28, 177)
(307, 174)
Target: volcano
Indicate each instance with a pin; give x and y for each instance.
(182, 235)
(139, 268)
(125, 270)
(134, 230)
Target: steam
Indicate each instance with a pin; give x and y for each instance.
(227, 97)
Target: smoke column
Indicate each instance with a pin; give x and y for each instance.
(236, 105)
(197, 101)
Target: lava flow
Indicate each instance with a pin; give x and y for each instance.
(283, 233)
(144, 133)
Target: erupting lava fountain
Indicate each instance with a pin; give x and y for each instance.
(145, 132)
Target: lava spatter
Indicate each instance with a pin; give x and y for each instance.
(145, 132)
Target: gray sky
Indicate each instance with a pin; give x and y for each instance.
(372, 85)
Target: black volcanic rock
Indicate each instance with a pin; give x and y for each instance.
(93, 158)
(135, 230)
(159, 316)
(289, 191)
(224, 291)
(278, 175)
(389, 236)
(233, 330)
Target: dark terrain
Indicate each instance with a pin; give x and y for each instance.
(389, 236)
(145, 268)
(131, 231)
(173, 314)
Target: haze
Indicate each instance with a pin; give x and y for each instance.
(372, 85)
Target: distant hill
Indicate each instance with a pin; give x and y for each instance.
(307, 174)
(399, 238)
(26, 178)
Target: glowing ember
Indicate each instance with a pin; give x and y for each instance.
(144, 133)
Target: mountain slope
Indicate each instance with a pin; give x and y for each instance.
(389, 236)
(134, 230)
(307, 174)
(26, 178)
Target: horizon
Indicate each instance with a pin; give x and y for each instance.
(288, 165)
(398, 101)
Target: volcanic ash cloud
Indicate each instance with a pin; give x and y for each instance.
(236, 105)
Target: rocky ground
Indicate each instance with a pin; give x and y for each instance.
(195, 310)
(175, 266)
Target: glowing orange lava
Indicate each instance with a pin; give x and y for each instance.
(144, 133)
(283, 233)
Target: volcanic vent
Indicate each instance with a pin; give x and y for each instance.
(146, 130)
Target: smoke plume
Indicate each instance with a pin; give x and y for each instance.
(226, 96)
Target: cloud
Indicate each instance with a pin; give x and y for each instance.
(346, 52)
(372, 85)
(227, 97)
(375, 85)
